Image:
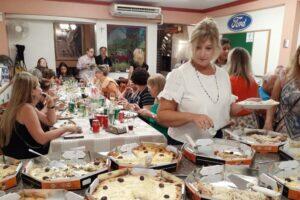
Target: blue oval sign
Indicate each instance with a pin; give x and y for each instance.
(239, 22)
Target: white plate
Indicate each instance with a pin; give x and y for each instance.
(61, 123)
(129, 114)
(258, 104)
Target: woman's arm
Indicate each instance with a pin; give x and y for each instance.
(168, 116)
(270, 113)
(130, 72)
(29, 118)
(48, 115)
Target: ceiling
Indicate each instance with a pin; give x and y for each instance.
(199, 5)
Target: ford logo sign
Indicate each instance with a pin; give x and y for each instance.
(239, 22)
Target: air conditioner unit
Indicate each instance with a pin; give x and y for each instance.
(124, 10)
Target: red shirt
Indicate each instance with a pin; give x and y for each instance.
(241, 89)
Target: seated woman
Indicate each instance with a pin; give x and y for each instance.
(142, 97)
(20, 126)
(243, 85)
(63, 73)
(156, 84)
(105, 84)
(287, 91)
(138, 62)
(40, 67)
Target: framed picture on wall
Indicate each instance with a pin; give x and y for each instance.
(68, 39)
(121, 42)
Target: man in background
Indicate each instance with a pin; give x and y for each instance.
(102, 59)
(85, 63)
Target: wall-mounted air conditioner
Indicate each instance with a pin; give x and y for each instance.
(124, 10)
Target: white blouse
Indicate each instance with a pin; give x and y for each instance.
(202, 94)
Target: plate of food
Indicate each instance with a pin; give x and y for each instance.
(62, 123)
(258, 104)
(65, 115)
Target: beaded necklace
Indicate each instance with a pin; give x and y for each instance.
(202, 86)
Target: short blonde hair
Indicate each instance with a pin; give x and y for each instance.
(157, 80)
(206, 30)
(138, 56)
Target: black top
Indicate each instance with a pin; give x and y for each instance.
(106, 61)
(137, 66)
(20, 142)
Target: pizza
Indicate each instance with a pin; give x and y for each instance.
(262, 138)
(291, 181)
(145, 154)
(143, 187)
(68, 170)
(7, 170)
(225, 193)
(230, 155)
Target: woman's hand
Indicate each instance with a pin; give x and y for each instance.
(202, 121)
(48, 100)
(147, 113)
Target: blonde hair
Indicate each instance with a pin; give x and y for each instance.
(23, 84)
(294, 68)
(239, 63)
(157, 80)
(138, 56)
(206, 30)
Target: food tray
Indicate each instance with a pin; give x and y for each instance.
(289, 152)
(70, 170)
(10, 172)
(208, 153)
(42, 194)
(261, 147)
(287, 174)
(139, 189)
(212, 182)
(258, 104)
(117, 155)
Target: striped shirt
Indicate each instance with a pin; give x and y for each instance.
(143, 98)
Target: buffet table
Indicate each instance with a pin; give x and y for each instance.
(104, 141)
(262, 162)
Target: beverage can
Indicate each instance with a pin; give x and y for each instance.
(96, 126)
(71, 106)
(121, 117)
(116, 113)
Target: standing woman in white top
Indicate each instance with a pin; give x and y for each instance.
(197, 95)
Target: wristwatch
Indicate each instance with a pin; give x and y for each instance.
(52, 107)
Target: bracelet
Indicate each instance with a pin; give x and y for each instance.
(52, 107)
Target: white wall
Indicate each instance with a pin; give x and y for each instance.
(39, 42)
(272, 19)
(151, 40)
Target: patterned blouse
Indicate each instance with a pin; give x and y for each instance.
(291, 121)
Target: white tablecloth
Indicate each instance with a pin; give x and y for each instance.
(103, 141)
